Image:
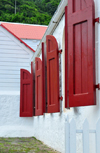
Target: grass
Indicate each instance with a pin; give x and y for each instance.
(23, 145)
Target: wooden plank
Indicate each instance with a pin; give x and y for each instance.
(15, 64)
(2, 34)
(5, 38)
(13, 68)
(77, 59)
(15, 51)
(9, 72)
(86, 137)
(98, 137)
(14, 56)
(13, 60)
(84, 58)
(9, 84)
(10, 47)
(6, 80)
(8, 88)
(44, 78)
(72, 136)
(7, 42)
(10, 76)
(66, 57)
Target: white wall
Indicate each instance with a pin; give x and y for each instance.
(50, 128)
(32, 43)
(13, 56)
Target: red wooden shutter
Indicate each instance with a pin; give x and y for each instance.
(52, 75)
(44, 78)
(81, 53)
(26, 93)
(66, 57)
(38, 87)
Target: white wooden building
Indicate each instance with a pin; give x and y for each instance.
(14, 55)
(50, 127)
(31, 34)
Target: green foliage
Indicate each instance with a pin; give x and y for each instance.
(28, 11)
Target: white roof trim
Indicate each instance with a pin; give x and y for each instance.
(52, 25)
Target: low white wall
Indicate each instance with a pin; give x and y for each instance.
(49, 128)
(11, 125)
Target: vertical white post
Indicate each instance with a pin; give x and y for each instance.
(67, 136)
(72, 136)
(98, 137)
(85, 137)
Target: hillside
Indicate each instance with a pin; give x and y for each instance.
(28, 11)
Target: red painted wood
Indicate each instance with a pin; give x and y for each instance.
(81, 59)
(44, 78)
(66, 57)
(52, 75)
(26, 93)
(38, 87)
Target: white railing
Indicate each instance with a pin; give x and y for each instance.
(71, 141)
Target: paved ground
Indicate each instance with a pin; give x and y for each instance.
(23, 145)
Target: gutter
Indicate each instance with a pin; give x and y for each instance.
(52, 25)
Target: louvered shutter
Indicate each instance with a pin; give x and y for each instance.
(26, 92)
(52, 75)
(81, 75)
(38, 87)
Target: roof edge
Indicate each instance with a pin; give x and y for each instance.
(17, 37)
(52, 25)
(24, 24)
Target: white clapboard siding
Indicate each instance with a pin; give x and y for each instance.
(9, 88)
(9, 80)
(9, 47)
(15, 64)
(14, 60)
(9, 84)
(12, 68)
(2, 34)
(2, 42)
(9, 76)
(13, 57)
(10, 72)
(15, 51)
(5, 38)
(32, 43)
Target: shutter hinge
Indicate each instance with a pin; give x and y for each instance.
(97, 86)
(97, 20)
(61, 98)
(60, 51)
